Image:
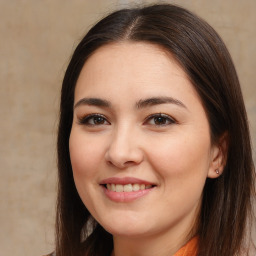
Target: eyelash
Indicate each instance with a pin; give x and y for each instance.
(165, 117)
(92, 117)
(86, 119)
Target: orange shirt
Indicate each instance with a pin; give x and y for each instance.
(190, 249)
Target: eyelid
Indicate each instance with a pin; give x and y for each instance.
(84, 119)
(168, 117)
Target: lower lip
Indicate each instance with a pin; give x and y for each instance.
(125, 196)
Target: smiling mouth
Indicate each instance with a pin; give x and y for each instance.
(127, 187)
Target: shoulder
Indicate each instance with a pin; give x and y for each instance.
(51, 254)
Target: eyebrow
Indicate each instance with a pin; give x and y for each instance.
(140, 104)
(93, 102)
(157, 101)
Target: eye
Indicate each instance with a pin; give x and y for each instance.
(160, 120)
(93, 120)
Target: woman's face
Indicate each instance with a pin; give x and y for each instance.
(140, 142)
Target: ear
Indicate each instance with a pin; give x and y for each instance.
(218, 158)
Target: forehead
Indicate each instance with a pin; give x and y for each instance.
(128, 48)
(139, 63)
(128, 52)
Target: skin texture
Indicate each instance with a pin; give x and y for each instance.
(175, 154)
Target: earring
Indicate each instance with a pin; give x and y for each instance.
(217, 171)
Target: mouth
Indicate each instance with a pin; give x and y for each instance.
(127, 187)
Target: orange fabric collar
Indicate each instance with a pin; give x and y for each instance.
(190, 249)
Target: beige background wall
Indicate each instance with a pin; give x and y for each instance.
(37, 38)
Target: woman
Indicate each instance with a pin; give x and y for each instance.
(154, 150)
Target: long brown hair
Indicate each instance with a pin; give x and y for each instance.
(226, 205)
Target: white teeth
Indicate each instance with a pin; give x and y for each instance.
(127, 187)
(113, 187)
(119, 188)
(135, 187)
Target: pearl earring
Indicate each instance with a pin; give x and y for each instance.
(217, 171)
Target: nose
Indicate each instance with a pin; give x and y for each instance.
(124, 149)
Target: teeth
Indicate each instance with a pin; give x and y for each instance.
(119, 188)
(127, 187)
(135, 187)
(113, 187)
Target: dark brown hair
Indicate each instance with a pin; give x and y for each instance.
(226, 205)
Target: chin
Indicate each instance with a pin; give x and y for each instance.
(125, 228)
(127, 232)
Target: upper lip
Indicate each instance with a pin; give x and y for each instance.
(124, 181)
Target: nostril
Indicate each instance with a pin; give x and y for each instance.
(128, 163)
(121, 164)
(123, 154)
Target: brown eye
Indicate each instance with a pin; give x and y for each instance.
(160, 120)
(94, 120)
(98, 120)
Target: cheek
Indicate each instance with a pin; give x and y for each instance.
(182, 166)
(180, 157)
(85, 154)
(85, 157)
